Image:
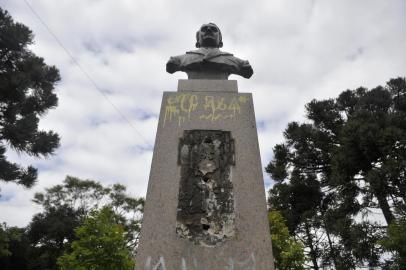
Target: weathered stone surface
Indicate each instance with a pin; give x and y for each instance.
(205, 213)
(161, 246)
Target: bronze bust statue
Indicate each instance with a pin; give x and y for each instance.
(208, 62)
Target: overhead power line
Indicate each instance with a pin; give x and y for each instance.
(87, 75)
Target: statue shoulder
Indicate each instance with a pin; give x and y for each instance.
(173, 64)
(180, 62)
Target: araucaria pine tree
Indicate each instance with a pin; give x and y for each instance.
(26, 94)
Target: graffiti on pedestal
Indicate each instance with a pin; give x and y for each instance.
(248, 263)
(187, 107)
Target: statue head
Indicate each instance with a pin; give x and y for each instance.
(209, 35)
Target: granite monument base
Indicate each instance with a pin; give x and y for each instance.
(205, 207)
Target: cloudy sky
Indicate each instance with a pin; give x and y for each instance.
(108, 105)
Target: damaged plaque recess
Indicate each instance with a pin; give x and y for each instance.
(205, 213)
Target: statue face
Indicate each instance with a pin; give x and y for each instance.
(209, 36)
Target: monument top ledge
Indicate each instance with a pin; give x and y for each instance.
(208, 62)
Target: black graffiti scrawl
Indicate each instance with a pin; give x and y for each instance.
(205, 213)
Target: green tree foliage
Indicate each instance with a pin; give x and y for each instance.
(395, 242)
(26, 94)
(65, 207)
(7, 235)
(348, 158)
(50, 233)
(14, 248)
(83, 196)
(299, 202)
(100, 245)
(288, 253)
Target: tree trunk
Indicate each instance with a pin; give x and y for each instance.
(379, 190)
(332, 249)
(313, 254)
(384, 205)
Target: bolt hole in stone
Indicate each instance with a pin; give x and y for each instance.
(206, 178)
(208, 140)
(206, 227)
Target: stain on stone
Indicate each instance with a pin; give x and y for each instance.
(205, 213)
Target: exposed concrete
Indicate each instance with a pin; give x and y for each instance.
(205, 213)
(250, 246)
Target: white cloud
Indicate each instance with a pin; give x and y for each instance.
(300, 50)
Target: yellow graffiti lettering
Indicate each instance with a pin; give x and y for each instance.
(170, 111)
(178, 106)
(209, 103)
(243, 99)
(188, 103)
(181, 106)
(234, 106)
(221, 105)
(181, 119)
(206, 116)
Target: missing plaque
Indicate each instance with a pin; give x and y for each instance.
(205, 213)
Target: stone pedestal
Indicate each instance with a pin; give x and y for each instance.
(205, 207)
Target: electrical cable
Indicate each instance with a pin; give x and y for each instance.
(87, 75)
